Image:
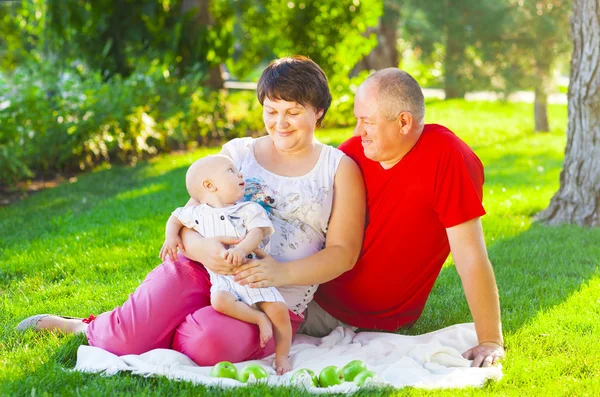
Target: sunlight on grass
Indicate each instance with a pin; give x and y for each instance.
(83, 247)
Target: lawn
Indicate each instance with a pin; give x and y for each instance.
(84, 246)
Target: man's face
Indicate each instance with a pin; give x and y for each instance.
(380, 137)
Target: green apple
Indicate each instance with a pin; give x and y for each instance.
(224, 369)
(363, 376)
(352, 369)
(305, 372)
(252, 369)
(330, 376)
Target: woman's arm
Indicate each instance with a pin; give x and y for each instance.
(342, 247)
(208, 250)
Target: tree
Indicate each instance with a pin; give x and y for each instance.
(22, 26)
(460, 30)
(536, 37)
(330, 32)
(385, 54)
(213, 47)
(578, 198)
(116, 35)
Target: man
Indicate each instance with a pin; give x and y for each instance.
(424, 193)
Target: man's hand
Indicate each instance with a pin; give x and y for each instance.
(170, 246)
(485, 354)
(234, 256)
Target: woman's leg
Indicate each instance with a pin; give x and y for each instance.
(148, 319)
(208, 337)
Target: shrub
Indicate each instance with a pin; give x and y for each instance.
(75, 120)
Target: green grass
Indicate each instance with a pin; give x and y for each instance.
(83, 247)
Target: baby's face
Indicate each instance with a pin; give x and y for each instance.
(228, 180)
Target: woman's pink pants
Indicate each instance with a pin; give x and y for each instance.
(171, 309)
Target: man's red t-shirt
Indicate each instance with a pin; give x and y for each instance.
(437, 185)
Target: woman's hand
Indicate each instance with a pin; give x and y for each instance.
(262, 272)
(208, 251)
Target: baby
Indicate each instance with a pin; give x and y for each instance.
(216, 183)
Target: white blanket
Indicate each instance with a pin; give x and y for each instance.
(431, 360)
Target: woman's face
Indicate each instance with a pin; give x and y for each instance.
(290, 124)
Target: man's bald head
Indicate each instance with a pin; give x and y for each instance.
(397, 92)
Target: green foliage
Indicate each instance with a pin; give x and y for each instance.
(330, 32)
(22, 25)
(114, 36)
(75, 120)
(500, 45)
(534, 42)
(455, 34)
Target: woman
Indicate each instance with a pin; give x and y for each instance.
(316, 199)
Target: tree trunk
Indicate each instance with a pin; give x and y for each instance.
(455, 52)
(540, 112)
(540, 103)
(201, 19)
(578, 198)
(385, 54)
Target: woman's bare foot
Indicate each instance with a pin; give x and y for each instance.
(265, 328)
(65, 325)
(282, 365)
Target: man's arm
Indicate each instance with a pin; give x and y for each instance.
(475, 270)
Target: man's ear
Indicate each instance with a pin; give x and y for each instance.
(405, 122)
(208, 185)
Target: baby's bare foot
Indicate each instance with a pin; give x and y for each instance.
(282, 365)
(265, 328)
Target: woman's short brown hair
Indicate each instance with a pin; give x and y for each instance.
(295, 79)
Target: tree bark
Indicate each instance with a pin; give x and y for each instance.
(202, 19)
(578, 198)
(385, 54)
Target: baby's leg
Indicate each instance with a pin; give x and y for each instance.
(226, 303)
(280, 317)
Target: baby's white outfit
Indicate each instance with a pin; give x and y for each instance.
(234, 221)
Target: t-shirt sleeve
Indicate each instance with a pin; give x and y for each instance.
(186, 216)
(351, 148)
(459, 186)
(238, 148)
(256, 216)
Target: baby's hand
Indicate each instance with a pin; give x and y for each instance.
(234, 256)
(170, 246)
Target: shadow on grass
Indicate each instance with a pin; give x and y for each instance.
(535, 271)
(71, 206)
